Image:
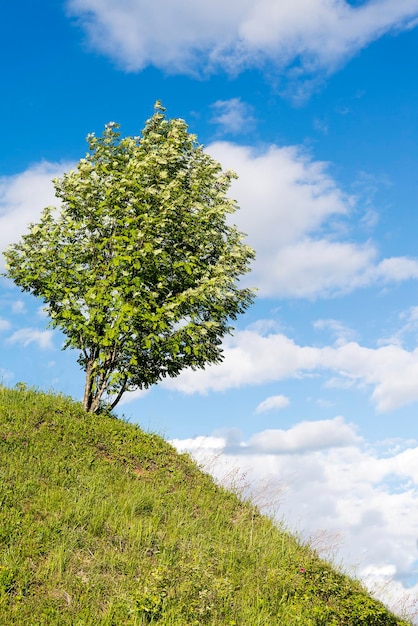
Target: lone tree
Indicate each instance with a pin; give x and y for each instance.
(138, 267)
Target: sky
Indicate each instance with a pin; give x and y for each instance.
(313, 103)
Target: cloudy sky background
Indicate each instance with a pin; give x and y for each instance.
(314, 105)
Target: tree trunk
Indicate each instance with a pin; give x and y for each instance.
(87, 399)
(120, 394)
(96, 384)
(95, 400)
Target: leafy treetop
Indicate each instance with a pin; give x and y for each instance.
(139, 266)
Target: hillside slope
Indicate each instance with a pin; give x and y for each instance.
(102, 524)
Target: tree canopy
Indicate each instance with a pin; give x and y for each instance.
(138, 266)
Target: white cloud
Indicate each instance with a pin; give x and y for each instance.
(251, 358)
(402, 600)
(349, 491)
(26, 336)
(4, 324)
(303, 437)
(283, 194)
(233, 116)
(23, 197)
(181, 36)
(271, 403)
(292, 209)
(309, 268)
(390, 369)
(397, 268)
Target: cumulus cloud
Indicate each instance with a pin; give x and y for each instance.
(303, 437)
(390, 370)
(250, 359)
(22, 198)
(253, 358)
(397, 268)
(331, 483)
(273, 403)
(194, 37)
(292, 210)
(310, 267)
(26, 336)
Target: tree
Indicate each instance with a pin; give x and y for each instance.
(138, 267)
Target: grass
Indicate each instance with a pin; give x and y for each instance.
(102, 524)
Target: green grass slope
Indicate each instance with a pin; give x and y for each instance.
(102, 524)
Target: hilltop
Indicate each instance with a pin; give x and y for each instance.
(102, 524)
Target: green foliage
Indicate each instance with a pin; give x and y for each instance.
(102, 524)
(139, 267)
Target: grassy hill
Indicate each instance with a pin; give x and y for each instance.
(102, 524)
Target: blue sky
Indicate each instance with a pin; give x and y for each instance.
(314, 105)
